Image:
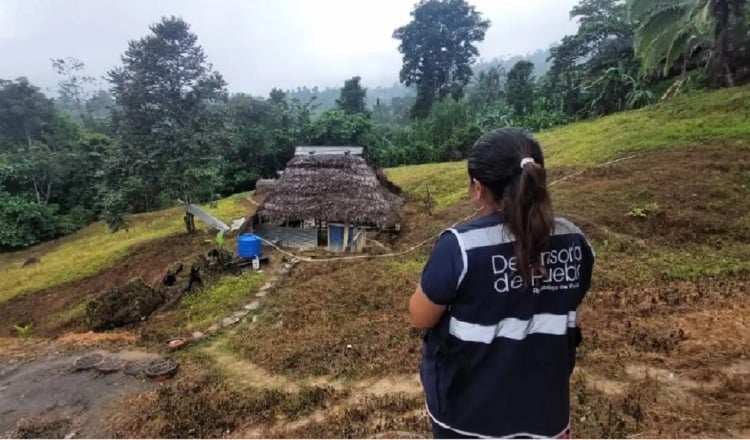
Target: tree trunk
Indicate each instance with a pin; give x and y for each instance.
(189, 222)
(720, 72)
(189, 218)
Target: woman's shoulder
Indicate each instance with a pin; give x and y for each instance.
(564, 226)
(489, 221)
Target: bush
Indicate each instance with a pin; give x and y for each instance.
(24, 222)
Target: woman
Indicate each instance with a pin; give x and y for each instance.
(499, 297)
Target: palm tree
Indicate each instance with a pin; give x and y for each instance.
(672, 29)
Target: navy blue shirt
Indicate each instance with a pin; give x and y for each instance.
(498, 363)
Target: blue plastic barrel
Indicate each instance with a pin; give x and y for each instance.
(248, 246)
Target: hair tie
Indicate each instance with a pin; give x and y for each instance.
(527, 160)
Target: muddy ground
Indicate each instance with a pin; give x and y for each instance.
(45, 397)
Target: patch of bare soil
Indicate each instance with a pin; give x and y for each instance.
(46, 397)
(150, 261)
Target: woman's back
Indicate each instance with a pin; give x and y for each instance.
(498, 362)
(500, 297)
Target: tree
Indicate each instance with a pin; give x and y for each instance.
(168, 119)
(673, 29)
(262, 135)
(37, 137)
(438, 48)
(488, 89)
(25, 113)
(604, 40)
(519, 88)
(72, 93)
(335, 127)
(352, 97)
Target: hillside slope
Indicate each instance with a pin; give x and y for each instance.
(721, 118)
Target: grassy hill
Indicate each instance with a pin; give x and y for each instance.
(666, 338)
(721, 117)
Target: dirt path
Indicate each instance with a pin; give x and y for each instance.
(358, 393)
(46, 398)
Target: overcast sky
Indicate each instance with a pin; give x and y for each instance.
(256, 44)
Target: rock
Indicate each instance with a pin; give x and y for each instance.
(255, 305)
(273, 280)
(240, 313)
(261, 294)
(266, 286)
(198, 335)
(132, 302)
(229, 321)
(283, 272)
(213, 328)
(255, 318)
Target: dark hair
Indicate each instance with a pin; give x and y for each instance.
(495, 161)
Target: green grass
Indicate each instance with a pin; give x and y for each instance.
(228, 294)
(94, 248)
(685, 121)
(75, 313)
(688, 120)
(703, 263)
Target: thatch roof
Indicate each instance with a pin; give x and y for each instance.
(264, 186)
(332, 189)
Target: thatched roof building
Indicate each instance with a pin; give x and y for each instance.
(332, 188)
(263, 187)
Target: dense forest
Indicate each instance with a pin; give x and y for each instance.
(166, 131)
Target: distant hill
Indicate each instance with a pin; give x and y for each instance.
(539, 58)
(326, 98)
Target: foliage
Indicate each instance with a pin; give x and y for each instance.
(438, 47)
(643, 211)
(45, 160)
(262, 134)
(670, 30)
(168, 119)
(76, 97)
(336, 127)
(487, 89)
(519, 88)
(604, 40)
(353, 96)
(23, 331)
(24, 222)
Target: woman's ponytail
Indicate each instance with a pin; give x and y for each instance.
(510, 163)
(527, 210)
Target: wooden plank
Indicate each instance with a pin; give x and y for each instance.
(206, 217)
(345, 245)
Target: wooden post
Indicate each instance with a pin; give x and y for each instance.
(346, 235)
